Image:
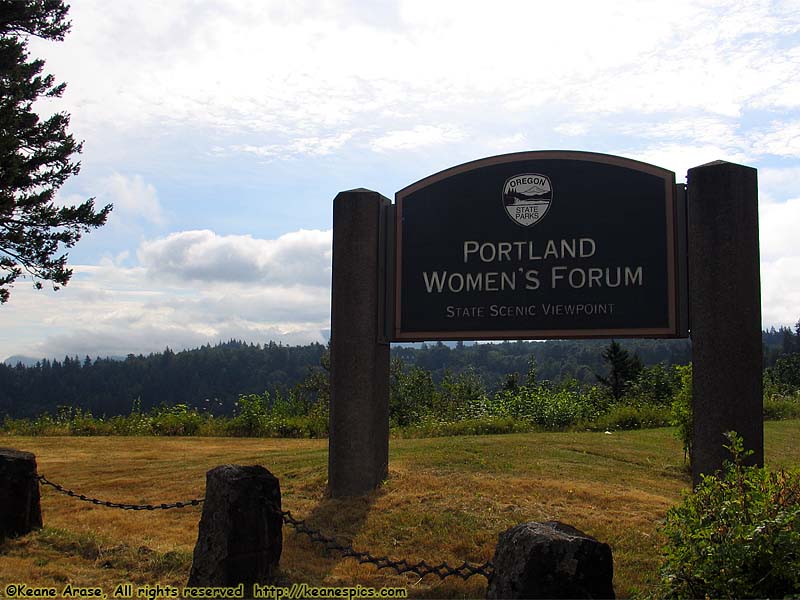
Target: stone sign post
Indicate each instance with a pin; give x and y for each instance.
(358, 443)
(725, 309)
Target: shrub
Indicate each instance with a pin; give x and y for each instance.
(136, 423)
(655, 385)
(625, 416)
(785, 374)
(176, 420)
(736, 536)
(412, 395)
(682, 411)
(253, 413)
(462, 396)
(550, 407)
(43, 425)
(83, 423)
(778, 406)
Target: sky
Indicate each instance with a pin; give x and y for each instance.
(221, 131)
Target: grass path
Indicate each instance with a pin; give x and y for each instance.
(446, 499)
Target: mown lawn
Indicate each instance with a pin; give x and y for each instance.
(445, 499)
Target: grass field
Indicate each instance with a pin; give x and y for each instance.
(445, 499)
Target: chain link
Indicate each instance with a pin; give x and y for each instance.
(63, 490)
(465, 570)
(443, 570)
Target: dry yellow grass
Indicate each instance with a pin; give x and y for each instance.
(446, 499)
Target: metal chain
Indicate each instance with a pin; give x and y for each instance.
(64, 490)
(421, 568)
(443, 570)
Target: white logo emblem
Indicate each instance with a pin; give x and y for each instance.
(527, 198)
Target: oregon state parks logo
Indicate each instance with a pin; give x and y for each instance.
(527, 198)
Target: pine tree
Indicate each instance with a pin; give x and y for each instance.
(797, 336)
(36, 156)
(624, 368)
(787, 341)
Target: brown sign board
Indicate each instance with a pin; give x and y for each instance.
(536, 245)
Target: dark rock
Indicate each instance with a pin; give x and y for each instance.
(20, 509)
(240, 535)
(551, 560)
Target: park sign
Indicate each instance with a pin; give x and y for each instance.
(541, 245)
(547, 245)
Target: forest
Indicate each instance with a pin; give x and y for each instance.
(213, 378)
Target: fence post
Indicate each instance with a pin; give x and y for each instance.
(20, 508)
(240, 536)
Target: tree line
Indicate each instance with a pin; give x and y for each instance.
(209, 378)
(212, 378)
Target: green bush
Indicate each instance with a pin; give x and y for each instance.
(785, 374)
(655, 385)
(136, 423)
(412, 395)
(43, 425)
(250, 420)
(736, 536)
(551, 407)
(85, 424)
(461, 396)
(682, 411)
(779, 406)
(626, 416)
(176, 420)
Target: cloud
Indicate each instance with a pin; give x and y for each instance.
(781, 139)
(780, 291)
(108, 342)
(308, 146)
(779, 224)
(193, 288)
(271, 81)
(780, 259)
(776, 184)
(132, 198)
(572, 129)
(680, 157)
(300, 257)
(418, 137)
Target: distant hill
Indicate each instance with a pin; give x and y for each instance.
(26, 361)
(29, 361)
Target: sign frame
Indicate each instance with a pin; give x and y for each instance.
(676, 255)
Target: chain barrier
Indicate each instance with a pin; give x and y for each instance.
(443, 570)
(63, 490)
(421, 568)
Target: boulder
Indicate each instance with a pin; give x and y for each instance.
(551, 560)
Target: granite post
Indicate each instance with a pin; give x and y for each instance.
(240, 536)
(358, 443)
(20, 508)
(725, 313)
